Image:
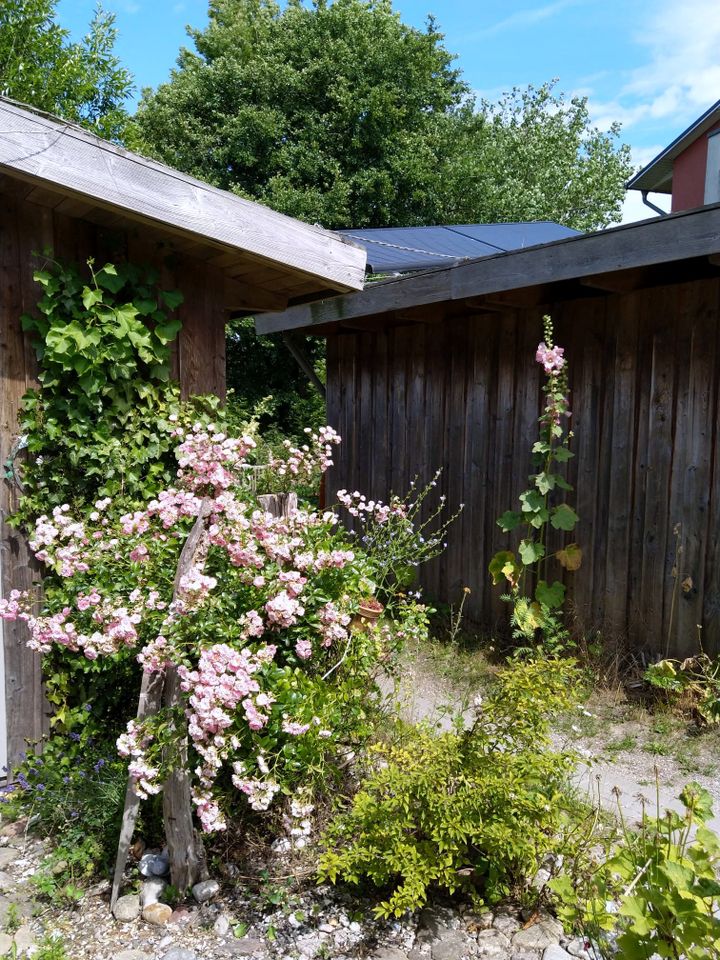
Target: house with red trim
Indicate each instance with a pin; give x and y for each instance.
(689, 168)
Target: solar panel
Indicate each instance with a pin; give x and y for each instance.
(407, 249)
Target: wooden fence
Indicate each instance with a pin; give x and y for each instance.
(464, 395)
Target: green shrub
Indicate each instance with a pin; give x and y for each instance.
(477, 810)
(74, 793)
(664, 878)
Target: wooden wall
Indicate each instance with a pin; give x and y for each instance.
(27, 229)
(464, 395)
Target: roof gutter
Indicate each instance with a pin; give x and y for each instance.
(649, 203)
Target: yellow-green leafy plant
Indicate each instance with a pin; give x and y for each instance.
(476, 809)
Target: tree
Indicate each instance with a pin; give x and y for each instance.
(83, 82)
(342, 114)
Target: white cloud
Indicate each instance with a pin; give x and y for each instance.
(525, 18)
(681, 75)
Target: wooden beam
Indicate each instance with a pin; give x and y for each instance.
(64, 157)
(243, 296)
(714, 259)
(624, 281)
(662, 240)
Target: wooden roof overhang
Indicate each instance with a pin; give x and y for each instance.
(663, 250)
(269, 260)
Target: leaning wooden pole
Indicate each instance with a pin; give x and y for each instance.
(187, 864)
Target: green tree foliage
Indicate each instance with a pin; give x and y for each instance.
(342, 114)
(83, 82)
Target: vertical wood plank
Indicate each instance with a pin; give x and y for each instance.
(698, 315)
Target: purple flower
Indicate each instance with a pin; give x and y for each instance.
(98, 766)
(75, 736)
(66, 779)
(87, 707)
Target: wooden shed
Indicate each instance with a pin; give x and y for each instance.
(437, 370)
(63, 189)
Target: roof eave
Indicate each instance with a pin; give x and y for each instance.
(650, 242)
(66, 157)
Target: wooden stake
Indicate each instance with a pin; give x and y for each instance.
(186, 863)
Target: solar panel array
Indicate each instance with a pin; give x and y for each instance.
(407, 249)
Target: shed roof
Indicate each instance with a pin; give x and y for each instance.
(63, 160)
(648, 253)
(656, 177)
(406, 249)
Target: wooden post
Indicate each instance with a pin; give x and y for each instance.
(184, 848)
(279, 504)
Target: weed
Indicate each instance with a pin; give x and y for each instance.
(622, 743)
(13, 920)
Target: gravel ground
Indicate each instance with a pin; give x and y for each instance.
(311, 923)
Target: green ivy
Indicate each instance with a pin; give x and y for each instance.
(97, 425)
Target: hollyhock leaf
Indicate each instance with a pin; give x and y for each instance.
(509, 520)
(530, 551)
(550, 596)
(563, 517)
(570, 557)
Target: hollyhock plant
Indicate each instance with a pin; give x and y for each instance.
(260, 628)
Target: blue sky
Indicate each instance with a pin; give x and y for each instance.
(653, 65)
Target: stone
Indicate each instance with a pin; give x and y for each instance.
(153, 864)
(493, 945)
(132, 955)
(435, 922)
(5, 944)
(309, 946)
(205, 890)
(160, 865)
(157, 913)
(151, 891)
(525, 955)
(453, 946)
(15, 829)
(577, 948)
(222, 926)
(182, 914)
(180, 953)
(247, 946)
(238, 948)
(545, 933)
(8, 855)
(127, 908)
(555, 952)
(6, 883)
(507, 924)
(389, 953)
(24, 939)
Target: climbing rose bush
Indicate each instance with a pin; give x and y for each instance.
(275, 667)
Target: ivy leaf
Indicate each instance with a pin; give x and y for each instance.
(108, 279)
(172, 299)
(509, 520)
(563, 517)
(530, 551)
(91, 297)
(550, 596)
(570, 557)
(166, 332)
